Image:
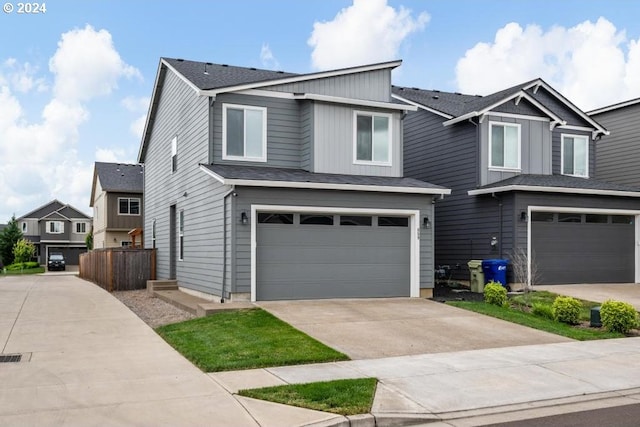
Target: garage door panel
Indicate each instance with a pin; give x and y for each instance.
(584, 252)
(319, 261)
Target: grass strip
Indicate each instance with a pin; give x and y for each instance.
(536, 322)
(244, 339)
(344, 397)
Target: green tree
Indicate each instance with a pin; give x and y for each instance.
(8, 238)
(88, 239)
(23, 250)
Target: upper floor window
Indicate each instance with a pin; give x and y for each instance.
(372, 138)
(55, 227)
(128, 206)
(575, 155)
(81, 227)
(24, 227)
(244, 133)
(174, 154)
(504, 141)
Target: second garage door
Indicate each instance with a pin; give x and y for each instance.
(311, 256)
(583, 248)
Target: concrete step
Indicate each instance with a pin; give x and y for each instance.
(208, 308)
(180, 299)
(161, 285)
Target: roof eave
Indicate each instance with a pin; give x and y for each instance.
(421, 106)
(539, 188)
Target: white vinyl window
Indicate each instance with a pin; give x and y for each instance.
(181, 236)
(55, 227)
(174, 154)
(128, 206)
(244, 133)
(81, 227)
(575, 155)
(372, 134)
(24, 227)
(504, 146)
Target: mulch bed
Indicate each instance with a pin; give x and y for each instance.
(452, 291)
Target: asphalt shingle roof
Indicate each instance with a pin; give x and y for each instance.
(560, 181)
(221, 75)
(120, 177)
(256, 173)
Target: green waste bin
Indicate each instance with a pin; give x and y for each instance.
(477, 275)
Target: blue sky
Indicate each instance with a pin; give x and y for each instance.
(75, 81)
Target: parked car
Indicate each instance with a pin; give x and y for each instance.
(56, 262)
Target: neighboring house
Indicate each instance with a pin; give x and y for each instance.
(116, 199)
(520, 163)
(618, 154)
(56, 227)
(267, 185)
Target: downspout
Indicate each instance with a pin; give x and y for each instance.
(500, 220)
(224, 239)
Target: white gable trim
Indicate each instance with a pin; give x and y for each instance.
(614, 106)
(422, 107)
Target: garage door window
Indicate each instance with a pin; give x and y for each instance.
(597, 219)
(316, 219)
(622, 219)
(275, 218)
(392, 221)
(355, 220)
(569, 217)
(542, 216)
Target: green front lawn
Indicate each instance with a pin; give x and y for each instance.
(36, 270)
(519, 311)
(344, 397)
(244, 339)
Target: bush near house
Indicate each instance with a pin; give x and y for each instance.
(618, 316)
(566, 310)
(495, 293)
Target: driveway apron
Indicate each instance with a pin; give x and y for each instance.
(388, 327)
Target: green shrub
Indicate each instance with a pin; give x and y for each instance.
(23, 265)
(31, 264)
(542, 310)
(618, 316)
(495, 293)
(566, 310)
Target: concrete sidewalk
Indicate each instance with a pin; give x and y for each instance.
(471, 388)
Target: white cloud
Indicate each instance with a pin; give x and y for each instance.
(267, 58)
(137, 127)
(136, 104)
(368, 31)
(40, 159)
(592, 64)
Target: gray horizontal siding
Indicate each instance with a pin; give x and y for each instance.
(283, 129)
(370, 85)
(618, 154)
(180, 112)
(348, 199)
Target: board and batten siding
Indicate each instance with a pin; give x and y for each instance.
(334, 139)
(180, 112)
(248, 196)
(618, 154)
(283, 129)
(535, 149)
(123, 222)
(370, 85)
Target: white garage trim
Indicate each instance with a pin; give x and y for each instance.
(414, 224)
(564, 209)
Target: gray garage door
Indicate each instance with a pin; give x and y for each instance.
(310, 256)
(583, 248)
(71, 255)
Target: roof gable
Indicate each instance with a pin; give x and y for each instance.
(117, 177)
(55, 207)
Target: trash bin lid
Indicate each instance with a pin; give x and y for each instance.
(496, 261)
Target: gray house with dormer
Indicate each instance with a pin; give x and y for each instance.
(521, 164)
(265, 185)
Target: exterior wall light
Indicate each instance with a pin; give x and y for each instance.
(426, 223)
(244, 219)
(523, 216)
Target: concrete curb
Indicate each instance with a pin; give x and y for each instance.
(377, 420)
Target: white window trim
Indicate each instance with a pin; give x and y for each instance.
(174, 154)
(129, 206)
(48, 225)
(357, 113)
(75, 228)
(519, 148)
(414, 225)
(181, 235)
(586, 138)
(225, 156)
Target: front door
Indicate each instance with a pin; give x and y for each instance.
(172, 242)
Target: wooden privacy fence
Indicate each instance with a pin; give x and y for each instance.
(119, 269)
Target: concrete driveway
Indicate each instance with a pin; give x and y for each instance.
(376, 328)
(599, 292)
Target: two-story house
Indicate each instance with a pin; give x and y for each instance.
(618, 154)
(116, 199)
(56, 227)
(520, 163)
(267, 185)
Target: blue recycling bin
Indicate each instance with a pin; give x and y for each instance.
(496, 270)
